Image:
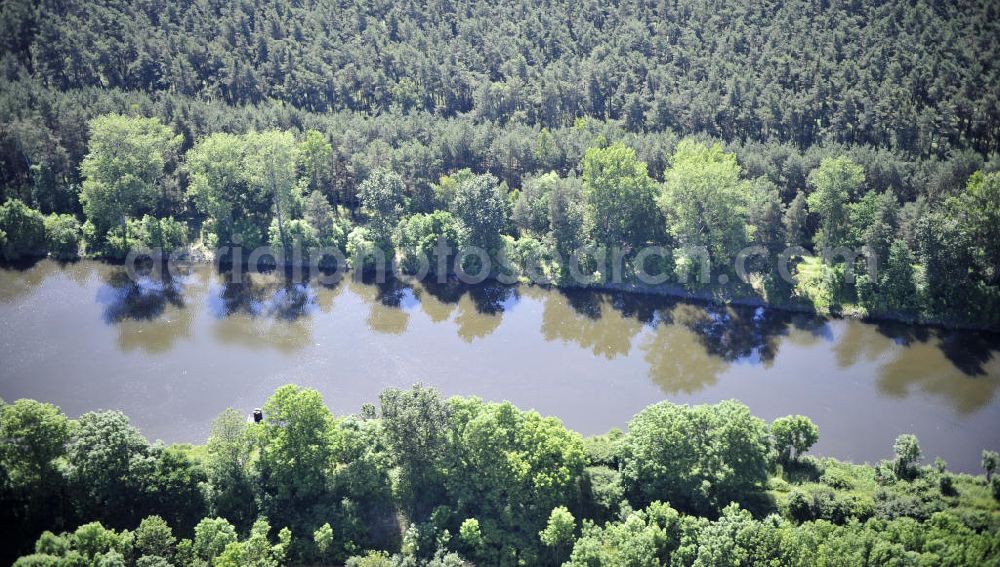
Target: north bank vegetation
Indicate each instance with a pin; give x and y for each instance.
(523, 129)
(422, 480)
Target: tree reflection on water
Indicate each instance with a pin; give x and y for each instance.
(131, 304)
(142, 298)
(684, 346)
(273, 295)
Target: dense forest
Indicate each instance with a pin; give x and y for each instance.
(422, 480)
(916, 77)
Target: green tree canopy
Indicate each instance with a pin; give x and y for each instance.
(228, 466)
(219, 185)
(506, 466)
(416, 428)
(990, 462)
(382, 197)
(697, 457)
(978, 209)
(793, 435)
(297, 442)
(124, 168)
(621, 197)
(100, 456)
(211, 536)
(644, 538)
(419, 235)
(315, 158)
(834, 182)
(559, 531)
(907, 450)
(704, 200)
(897, 283)
(796, 220)
(480, 205)
(531, 210)
(34, 435)
(271, 170)
(567, 214)
(62, 235)
(24, 230)
(154, 537)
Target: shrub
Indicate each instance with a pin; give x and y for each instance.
(90, 236)
(604, 449)
(166, 233)
(418, 236)
(890, 505)
(371, 559)
(837, 478)
(867, 296)
(819, 283)
(825, 504)
(800, 506)
(115, 243)
(470, 533)
(149, 233)
(947, 485)
(63, 234)
(885, 473)
(532, 258)
(364, 253)
(330, 229)
(298, 233)
(335, 234)
(24, 228)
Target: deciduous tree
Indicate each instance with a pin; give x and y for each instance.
(698, 458)
(123, 171)
(834, 182)
(621, 197)
(793, 435)
(705, 201)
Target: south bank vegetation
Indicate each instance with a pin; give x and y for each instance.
(422, 480)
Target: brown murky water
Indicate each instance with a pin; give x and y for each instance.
(174, 355)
